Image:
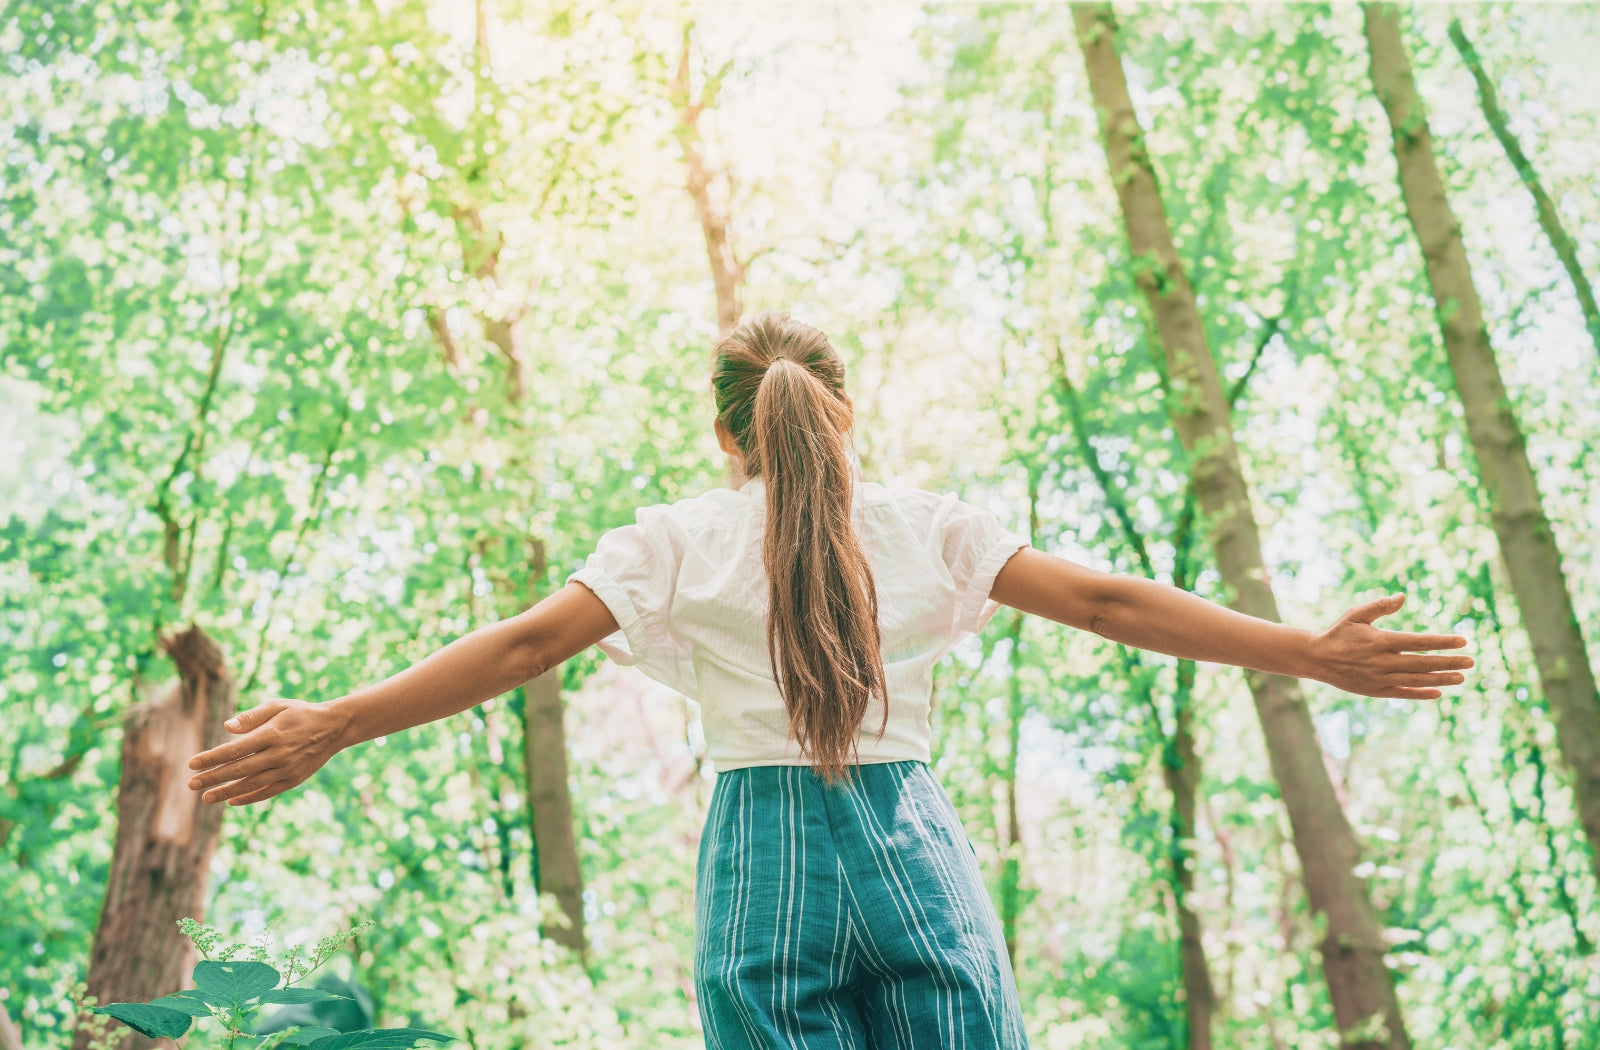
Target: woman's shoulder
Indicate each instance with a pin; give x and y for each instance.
(904, 497)
(727, 507)
(943, 516)
(714, 509)
(917, 511)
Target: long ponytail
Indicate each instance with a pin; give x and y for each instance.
(780, 392)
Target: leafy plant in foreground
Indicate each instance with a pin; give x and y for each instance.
(233, 991)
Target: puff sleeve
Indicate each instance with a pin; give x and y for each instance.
(634, 571)
(975, 547)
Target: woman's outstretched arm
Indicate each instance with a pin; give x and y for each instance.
(282, 742)
(1352, 654)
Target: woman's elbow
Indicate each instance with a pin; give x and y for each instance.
(1057, 589)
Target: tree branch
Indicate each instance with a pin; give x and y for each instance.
(313, 514)
(1114, 501)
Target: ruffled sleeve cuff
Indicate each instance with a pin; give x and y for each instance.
(975, 609)
(628, 644)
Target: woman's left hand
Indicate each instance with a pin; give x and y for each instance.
(1358, 657)
(281, 743)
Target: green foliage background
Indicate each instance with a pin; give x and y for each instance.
(224, 229)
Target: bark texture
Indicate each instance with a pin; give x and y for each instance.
(544, 757)
(165, 834)
(1180, 768)
(1352, 949)
(1533, 561)
(1544, 207)
(557, 868)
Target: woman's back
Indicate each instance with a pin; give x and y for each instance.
(688, 587)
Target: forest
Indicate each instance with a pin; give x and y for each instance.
(331, 330)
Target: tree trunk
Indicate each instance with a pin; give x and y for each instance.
(1526, 543)
(480, 251)
(1181, 770)
(165, 834)
(447, 341)
(1011, 848)
(1011, 845)
(1544, 207)
(556, 865)
(727, 275)
(1230, 879)
(544, 757)
(1180, 759)
(481, 242)
(556, 869)
(1352, 949)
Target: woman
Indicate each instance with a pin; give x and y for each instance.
(838, 902)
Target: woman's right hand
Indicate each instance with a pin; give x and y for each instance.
(281, 743)
(1359, 657)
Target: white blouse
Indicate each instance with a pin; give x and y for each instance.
(689, 592)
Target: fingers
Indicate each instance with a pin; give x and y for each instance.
(243, 767)
(234, 787)
(1433, 681)
(1378, 607)
(277, 787)
(1417, 664)
(1402, 641)
(245, 721)
(1409, 694)
(1405, 642)
(248, 786)
(221, 756)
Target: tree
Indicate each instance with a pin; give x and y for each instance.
(499, 305)
(702, 179)
(1527, 544)
(1180, 756)
(165, 834)
(1545, 208)
(1352, 949)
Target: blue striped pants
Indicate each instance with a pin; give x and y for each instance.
(849, 918)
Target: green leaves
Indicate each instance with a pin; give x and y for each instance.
(148, 1019)
(237, 986)
(242, 989)
(185, 1002)
(381, 1039)
(234, 984)
(298, 995)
